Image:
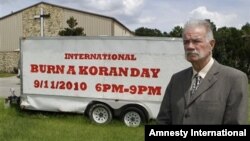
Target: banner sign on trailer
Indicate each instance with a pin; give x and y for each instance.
(117, 68)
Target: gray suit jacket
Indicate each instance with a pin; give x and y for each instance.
(221, 98)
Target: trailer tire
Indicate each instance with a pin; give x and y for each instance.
(100, 113)
(133, 117)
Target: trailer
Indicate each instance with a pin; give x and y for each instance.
(102, 77)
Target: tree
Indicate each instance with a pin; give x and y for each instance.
(176, 32)
(246, 29)
(165, 34)
(72, 30)
(213, 26)
(245, 50)
(219, 52)
(142, 31)
(232, 46)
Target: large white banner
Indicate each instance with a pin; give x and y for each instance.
(101, 67)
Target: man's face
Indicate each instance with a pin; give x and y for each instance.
(196, 46)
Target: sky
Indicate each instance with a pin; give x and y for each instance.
(160, 14)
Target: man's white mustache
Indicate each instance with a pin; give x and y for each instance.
(191, 52)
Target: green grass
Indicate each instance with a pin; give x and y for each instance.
(17, 125)
(6, 74)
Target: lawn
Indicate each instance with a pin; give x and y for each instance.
(2, 75)
(17, 125)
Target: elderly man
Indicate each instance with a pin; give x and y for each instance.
(207, 92)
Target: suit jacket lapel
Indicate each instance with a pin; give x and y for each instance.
(207, 82)
(186, 85)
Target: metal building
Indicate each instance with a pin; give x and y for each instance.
(46, 19)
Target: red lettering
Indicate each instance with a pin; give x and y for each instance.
(83, 86)
(83, 70)
(145, 73)
(93, 70)
(133, 89)
(106, 87)
(71, 70)
(87, 56)
(36, 83)
(113, 71)
(69, 85)
(42, 68)
(33, 68)
(51, 69)
(154, 90)
(98, 87)
(155, 72)
(61, 85)
(123, 71)
(117, 88)
(55, 69)
(142, 89)
(103, 71)
(114, 57)
(134, 72)
(133, 57)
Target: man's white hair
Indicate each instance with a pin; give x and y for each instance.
(201, 23)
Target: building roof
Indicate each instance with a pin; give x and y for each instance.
(72, 9)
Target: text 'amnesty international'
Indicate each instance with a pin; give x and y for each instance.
(195, 133)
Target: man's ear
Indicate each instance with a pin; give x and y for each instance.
(212, 44)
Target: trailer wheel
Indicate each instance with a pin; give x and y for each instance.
(100, 113)
(133, 117)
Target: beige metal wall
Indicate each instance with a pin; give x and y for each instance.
(120, 30)
(93, 25)
(10, 32)
(23, 24)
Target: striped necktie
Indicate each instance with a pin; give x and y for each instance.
(195, 84)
